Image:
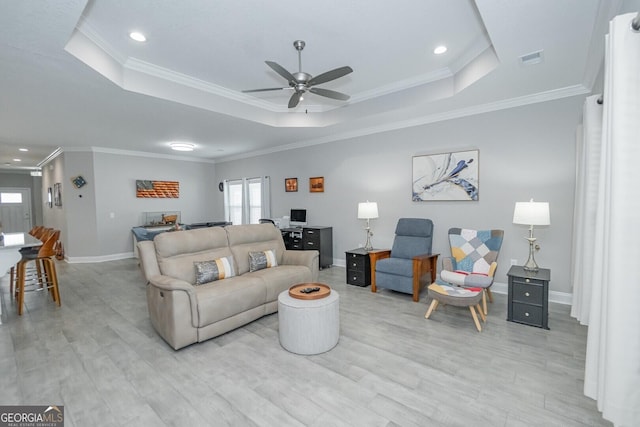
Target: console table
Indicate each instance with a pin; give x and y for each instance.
(317, 237)
(529, 296)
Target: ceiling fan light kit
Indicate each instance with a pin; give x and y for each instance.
(302, 82)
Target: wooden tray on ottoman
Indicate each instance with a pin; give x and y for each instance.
(295, 291)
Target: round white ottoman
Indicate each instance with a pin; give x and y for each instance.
(308, 326)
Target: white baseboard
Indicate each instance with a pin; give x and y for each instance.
(501, 288)
(554, 296)
(497, 287)
(102, 258)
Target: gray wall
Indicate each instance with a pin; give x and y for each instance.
(96, 220)
(55, 216)
(118, 195)
(525, 152)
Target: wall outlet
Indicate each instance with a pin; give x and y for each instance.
(514, 261)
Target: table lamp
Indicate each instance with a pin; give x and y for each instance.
(531, 213)
(368, 210)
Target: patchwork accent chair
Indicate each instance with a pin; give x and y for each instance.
(474, 260)
(404, 268)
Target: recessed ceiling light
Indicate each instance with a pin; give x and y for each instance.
(138, 36)
(17, 160)
(440, 50)
(182, 146)
(23, 149)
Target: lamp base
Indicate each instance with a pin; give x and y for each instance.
(531, 265)
(368, 246)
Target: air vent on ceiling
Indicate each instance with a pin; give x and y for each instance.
(532, 58)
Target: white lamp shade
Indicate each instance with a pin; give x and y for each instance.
(367, 210)
(531, 213)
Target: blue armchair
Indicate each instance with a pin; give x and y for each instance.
(404, 268)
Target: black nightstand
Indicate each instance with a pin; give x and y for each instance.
(529, 296)
(358, 267)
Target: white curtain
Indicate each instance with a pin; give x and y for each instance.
(589, 142)
(612, 372)
(266, 197)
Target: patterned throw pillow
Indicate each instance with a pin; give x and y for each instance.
(217, 269)
(263, 259)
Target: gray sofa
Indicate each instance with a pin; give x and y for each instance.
(183, 313)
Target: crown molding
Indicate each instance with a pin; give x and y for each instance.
(105, 150)
(551, 95)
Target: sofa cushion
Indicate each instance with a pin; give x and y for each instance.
(253, 238)
(262, 259)
(177, 251)
(281, 278)
(217, 269)
(397, 266)
(225, 298)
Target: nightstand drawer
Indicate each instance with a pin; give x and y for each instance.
(355, 262)
(526, 313)
(528, 281)
(357, 278)
(529, 294)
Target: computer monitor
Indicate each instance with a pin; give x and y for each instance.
(298, 217)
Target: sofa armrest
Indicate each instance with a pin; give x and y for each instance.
(148, 260)
(310, 259)
(171, 284)
(374, 256)
(168, 283)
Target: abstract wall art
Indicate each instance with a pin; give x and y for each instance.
(447, 176)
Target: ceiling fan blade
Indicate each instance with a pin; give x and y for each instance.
(329, 75)
(264, 90)
(295, 98)
(329, 93)
(280, 70)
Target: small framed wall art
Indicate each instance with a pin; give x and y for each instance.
(290, 184)
(316, 184)
(447, 176)
(57, 194)
(78, 181)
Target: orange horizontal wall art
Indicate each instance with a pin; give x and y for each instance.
(157, 189)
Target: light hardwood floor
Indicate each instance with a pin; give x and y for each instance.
(99, 357)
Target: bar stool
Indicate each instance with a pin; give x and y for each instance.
(41, 233)
(48, 280)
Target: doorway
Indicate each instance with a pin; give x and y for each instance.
(15, 209)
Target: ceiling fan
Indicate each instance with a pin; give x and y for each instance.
(302, 82)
